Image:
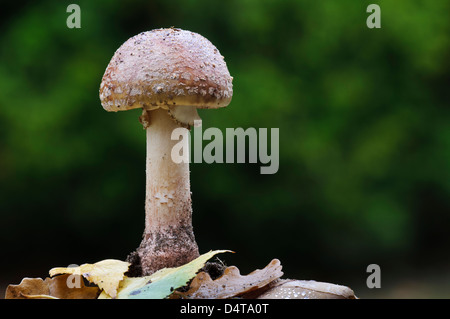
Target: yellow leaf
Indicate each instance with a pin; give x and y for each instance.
(106, 274)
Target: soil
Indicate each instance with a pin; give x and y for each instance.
(135, 269)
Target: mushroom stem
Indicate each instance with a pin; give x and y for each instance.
(168, 239)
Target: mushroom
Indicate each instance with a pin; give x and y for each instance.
(169, 73)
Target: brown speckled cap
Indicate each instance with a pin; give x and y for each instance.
(163, 68)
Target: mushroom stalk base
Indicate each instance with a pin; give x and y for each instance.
(168, 239)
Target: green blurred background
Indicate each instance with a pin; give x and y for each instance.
(364, 139)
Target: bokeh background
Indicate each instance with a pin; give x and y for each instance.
(364, 139)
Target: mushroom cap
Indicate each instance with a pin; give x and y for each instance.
(165, 68)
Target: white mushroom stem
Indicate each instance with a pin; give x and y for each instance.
(168, 239)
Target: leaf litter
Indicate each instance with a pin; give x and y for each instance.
(190, 281)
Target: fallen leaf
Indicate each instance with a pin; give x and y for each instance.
(50, 288)
(306, 289)
(127, 285)
(106, 274)
(38, 297)
(231, 283)
(162, 283)
(62, 287)
(27, 287)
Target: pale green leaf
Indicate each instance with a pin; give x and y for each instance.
(163, 282)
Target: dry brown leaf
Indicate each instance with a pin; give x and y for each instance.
(28, 286)
(51, 288)
(231, 283)
(306, 289)
(38, 297)
(60, 288)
